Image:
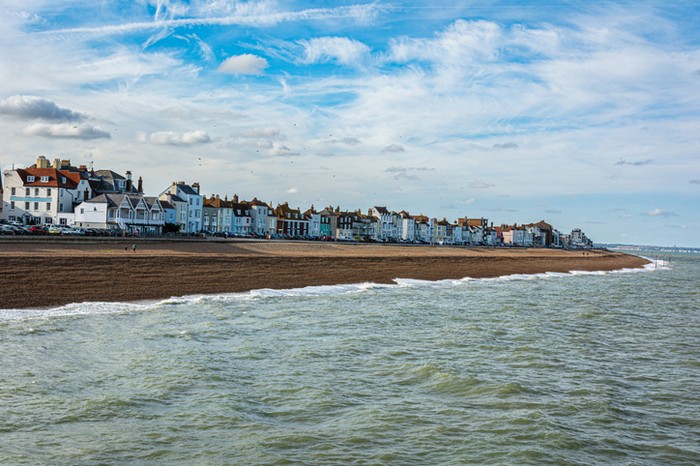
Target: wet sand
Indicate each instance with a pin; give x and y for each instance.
(46, 272)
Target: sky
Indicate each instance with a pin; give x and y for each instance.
(583, 114)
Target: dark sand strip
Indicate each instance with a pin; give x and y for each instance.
(45, 274)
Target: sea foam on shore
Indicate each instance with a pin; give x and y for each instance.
(95, 308)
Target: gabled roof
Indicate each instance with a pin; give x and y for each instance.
(56, 178)
(381, 210)
(152, 201)
(257, 203)
(166, 205)
(105, 181)
(217, 203)
(108, 175)
(187, 189)
(240, 209)
(173, 197)
(102, 199)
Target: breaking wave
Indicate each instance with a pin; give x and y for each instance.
(97, 308)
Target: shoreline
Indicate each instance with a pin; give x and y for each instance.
(49, 273)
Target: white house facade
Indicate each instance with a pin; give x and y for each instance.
(189, 203)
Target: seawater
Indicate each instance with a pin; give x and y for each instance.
(579, 368)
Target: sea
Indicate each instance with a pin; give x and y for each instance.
(557, 368)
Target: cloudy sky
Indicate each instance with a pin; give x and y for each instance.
(585, 114)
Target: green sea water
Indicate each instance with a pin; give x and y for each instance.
(583, 368)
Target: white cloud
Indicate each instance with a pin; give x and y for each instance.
(172, 138)
(292, 190)
(339, 49)
(205, 50)
(244, 64)
(66, 130)
(661, 213)
(32, 107)
(459, 44)
(242, 15)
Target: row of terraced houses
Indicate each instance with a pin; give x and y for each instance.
(62, 194)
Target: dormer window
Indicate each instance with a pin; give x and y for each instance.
(63, 180)
(30, 179)
(44, 179)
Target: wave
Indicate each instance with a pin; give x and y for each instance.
(97, 308)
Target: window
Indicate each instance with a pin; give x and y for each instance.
(12, 204)
(13, 191)
(48, 191)
(63, 221)
(30, 179)
(26, 206)
(44, 179)
(82, 211)
(36, 191)
(27, 192)
(63, 180)
(48, 206)
(36, 206)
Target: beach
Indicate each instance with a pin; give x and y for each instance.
(47, 273)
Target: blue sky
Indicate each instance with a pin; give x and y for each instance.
(585, 114)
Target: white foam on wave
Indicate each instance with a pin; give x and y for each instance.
(74, 309)
(655, 264)
(96, 308)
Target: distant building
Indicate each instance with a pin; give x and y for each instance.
(134, 213)
(39, 194)
(188, 203)
(291, 221)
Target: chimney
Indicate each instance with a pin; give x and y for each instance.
(41, 162)
(140, 189)
(195, 186)
(56, 163)
(65, 164)
(82, 168)
(129, 183)
(235, 198)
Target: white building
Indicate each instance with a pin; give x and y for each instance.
(132, 212)
(263, 220)
(38, 195)
(408, 227)
(386, 223)
(188, 203)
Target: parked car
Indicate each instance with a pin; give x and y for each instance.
(73, 231)
(36, 230)
(7, 230)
